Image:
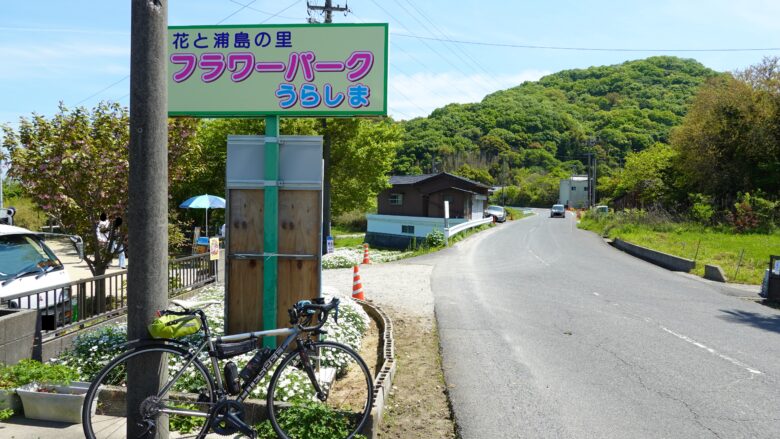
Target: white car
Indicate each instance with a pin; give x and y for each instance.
(27, 264)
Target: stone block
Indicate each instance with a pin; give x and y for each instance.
(714, 272)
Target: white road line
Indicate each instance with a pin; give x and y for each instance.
(713, 351)
(537, 257)
(596, 294)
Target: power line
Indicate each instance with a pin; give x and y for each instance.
(466, 60)
(237, 11)
(278, 14)
(591, 49)
(454, 65)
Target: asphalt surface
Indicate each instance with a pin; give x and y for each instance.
(547, 332)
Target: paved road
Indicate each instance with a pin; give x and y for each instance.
(547, 332)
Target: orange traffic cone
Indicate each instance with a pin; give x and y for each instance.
(357, 287)
(366, 259)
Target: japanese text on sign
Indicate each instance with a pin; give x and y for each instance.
(284, 67)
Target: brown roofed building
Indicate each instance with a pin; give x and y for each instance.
(414, 205)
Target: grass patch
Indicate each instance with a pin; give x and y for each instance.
(348, 241)
(715, 246)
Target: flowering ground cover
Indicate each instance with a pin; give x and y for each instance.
(92, 350)
(347, 257)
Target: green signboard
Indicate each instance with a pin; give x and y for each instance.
(285, 70)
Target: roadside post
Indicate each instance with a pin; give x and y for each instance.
(274, 182)
(446, 223)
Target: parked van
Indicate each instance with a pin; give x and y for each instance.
(27, 264)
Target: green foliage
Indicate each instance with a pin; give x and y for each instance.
(185, 424)
(362, 153)
(717, 245)
(6, 414)
(308, 421)
(74, 167)
(32, 371)
(476, 174)
(435, 238)
(28, 215)
(754, 214)
(619, 109)
(701, 208)
(730, 140)
(646, 176)
(92, 350)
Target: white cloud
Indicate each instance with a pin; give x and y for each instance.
(418, 94)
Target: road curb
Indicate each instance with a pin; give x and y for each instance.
(383, 382)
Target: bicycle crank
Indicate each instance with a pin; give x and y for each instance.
(227, 418)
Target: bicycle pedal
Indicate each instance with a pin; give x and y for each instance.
(150, 428)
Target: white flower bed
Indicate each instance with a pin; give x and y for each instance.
(94, 349)
(347, 257)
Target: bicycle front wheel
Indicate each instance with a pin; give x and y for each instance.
(344, 404)
(107, 407)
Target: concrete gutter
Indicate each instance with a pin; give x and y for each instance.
(665, 260)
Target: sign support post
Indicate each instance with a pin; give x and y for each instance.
(271, 226)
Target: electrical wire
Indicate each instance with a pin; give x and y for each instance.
(590, 49)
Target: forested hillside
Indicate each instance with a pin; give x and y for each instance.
(535, 133)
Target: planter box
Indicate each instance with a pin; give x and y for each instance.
(62, 406)
(10, 400)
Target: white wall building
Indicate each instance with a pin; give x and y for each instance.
(574, 192)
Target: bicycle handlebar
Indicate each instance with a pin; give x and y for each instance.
(307, 309)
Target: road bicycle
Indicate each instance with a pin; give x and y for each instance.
(311, 376)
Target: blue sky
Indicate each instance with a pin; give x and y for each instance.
(78, 51)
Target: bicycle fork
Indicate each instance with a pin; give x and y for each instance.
(309, 369)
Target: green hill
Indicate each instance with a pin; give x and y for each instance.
(538, 126)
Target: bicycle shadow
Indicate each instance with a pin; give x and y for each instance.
(767, 322)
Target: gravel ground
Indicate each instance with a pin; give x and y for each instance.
(403, 287)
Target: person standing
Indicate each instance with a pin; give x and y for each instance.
(102, 229)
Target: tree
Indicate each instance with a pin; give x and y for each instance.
(74, 166)
(730, 140)
(477, 174)
(362, 155)
(647, 176)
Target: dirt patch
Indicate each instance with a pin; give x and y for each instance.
(417, 407)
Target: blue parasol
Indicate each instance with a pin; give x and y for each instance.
(204, 202)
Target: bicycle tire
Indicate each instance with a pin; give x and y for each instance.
(348, 405)
(104, 414)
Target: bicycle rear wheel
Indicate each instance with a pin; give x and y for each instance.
(106, 406)
(347, 387)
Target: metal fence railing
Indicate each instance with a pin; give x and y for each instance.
(66, 307)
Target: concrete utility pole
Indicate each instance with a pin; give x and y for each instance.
(326, 139)
(147, 278)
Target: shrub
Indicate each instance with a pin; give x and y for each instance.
(753, 213)
(309, 420)
(435, 238)
(701, 208)
(32, 371)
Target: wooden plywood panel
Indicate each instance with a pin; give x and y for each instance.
(245, 281)
(300, 224)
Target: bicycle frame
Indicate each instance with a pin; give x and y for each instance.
(291, 333)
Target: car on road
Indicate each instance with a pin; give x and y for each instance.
(497, 212)
(557, 211)
(28, 265)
